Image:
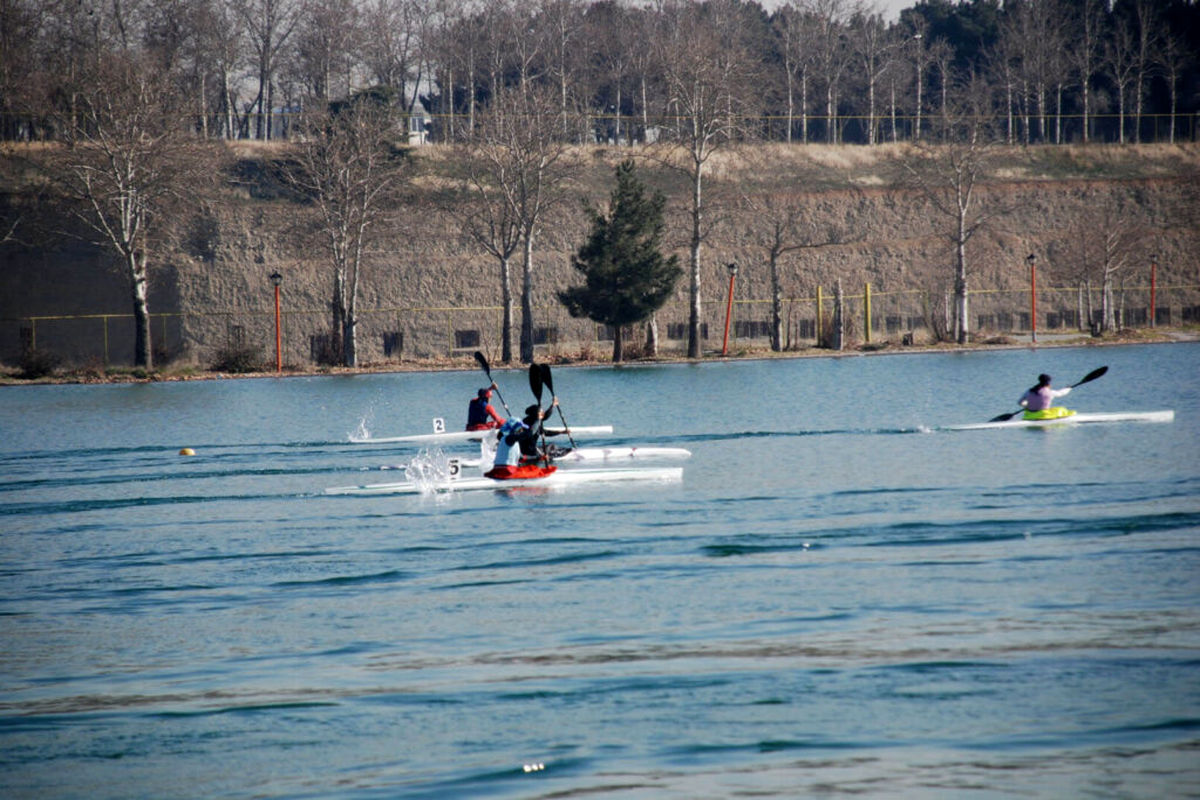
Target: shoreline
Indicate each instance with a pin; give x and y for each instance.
(124, 375)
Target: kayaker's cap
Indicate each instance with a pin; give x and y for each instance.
(1043, 379)
(485, 393)
(533, 412)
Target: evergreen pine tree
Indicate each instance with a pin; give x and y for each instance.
(626, 276)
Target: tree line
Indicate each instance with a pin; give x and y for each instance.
(136, 98)
(807, 70)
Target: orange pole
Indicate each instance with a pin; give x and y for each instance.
(278, 335)
(728, 314)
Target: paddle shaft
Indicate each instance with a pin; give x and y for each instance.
(535, 384)
(549, 381)
(1091, 376)
(488, 370)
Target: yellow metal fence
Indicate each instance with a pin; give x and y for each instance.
(414, 333)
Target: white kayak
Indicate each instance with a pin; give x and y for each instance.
(561, 477)
(590, 455)
(1074, 419)
(440, 435)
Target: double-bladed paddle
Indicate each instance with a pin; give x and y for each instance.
(535, 384)
(483, 362)
(548, 379)
(1091, 376)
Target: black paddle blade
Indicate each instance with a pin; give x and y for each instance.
(546, 378)
(535, 382)
(483, 363)
(1091, 376)
(1004, 417)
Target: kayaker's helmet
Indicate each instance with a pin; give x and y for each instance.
(1043, 379)
(533, 412)
(485, 394)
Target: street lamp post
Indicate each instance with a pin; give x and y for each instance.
(729, 307)
(276, 280)
(1031, 259)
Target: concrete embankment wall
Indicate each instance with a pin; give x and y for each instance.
(427, 292)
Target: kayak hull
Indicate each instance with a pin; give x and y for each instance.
(555, 479)
(591, 454)
(447, 437)
(1079, 418)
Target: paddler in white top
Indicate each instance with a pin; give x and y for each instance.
(1038, 401)
(517, 453)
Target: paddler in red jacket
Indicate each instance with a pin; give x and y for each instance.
(517, 454)
(480, 414)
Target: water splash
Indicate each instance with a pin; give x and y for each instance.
(429, 470)
(361, 433)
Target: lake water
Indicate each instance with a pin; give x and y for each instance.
(838, 598)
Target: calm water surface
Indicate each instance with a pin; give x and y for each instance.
(838, 598)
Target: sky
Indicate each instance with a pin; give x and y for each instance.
(891, 8)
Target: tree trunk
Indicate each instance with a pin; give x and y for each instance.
(142, 354)
(652, 336)
(776, 306)
(694, 350)
(1106, 301)
(618, 344)
(960, 292)
(804, 107)
(506, 298)
(527, 301)
(839, 317)
(349, 341)
(338, 327)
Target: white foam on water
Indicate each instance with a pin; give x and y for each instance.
(429, 469)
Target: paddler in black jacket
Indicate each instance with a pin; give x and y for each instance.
(517, 453)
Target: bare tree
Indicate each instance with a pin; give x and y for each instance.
(20, 23)
(1084, 53)
(1172, 60)
(1118, 241)
(125, 160)
(327, 33)
(706, 70)
(796, 28)
(875, 47)
(522, 156)
(457, 46)
(221, 41)
(613, 55)
(488, 219)
(269, 23)
(1121, 60)
(1148, 22)
(347, 164)
(784, 224)
(833, 54)
(949, 177)
(561, 24)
